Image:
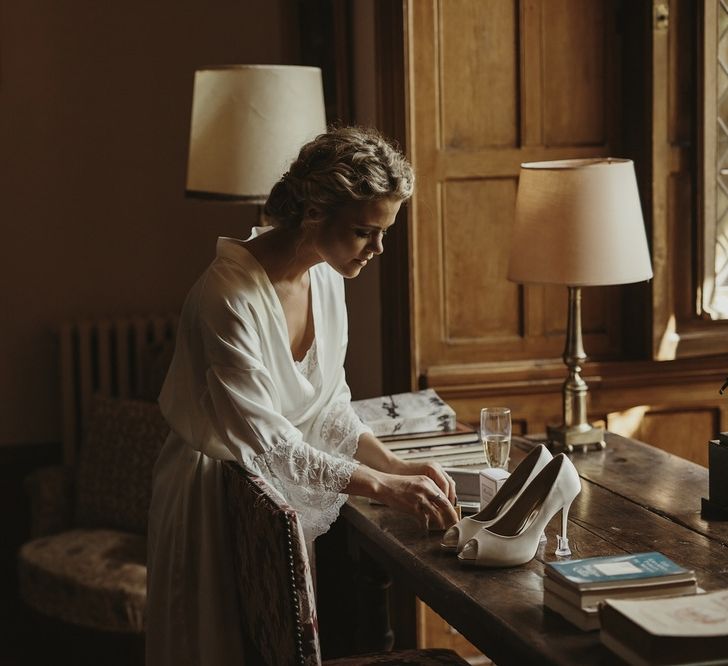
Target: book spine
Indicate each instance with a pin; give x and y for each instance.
(583, 619)
(590, 598)
(426, 443)
(454, 461)
(429, 452)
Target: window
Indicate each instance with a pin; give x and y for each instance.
(714, 300)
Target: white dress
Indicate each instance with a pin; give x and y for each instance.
(234, 392)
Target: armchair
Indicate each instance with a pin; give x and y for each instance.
(83, 574)
(86, 564)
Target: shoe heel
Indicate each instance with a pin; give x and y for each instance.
(562, 541)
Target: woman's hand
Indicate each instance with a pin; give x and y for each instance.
(423, 490)
(432, 470)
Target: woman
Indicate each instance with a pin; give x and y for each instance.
(258, 377)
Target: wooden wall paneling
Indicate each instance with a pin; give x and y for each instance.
(531, 89)
(680, 427)
(423, 128)
(579, 54)
(554, 68)
(574, 65)
(478, 108)
(532, 412)
(477, 85)
(475, 245)
(535, 309)
(676, 407)
(531, 390)
(604, 326)
(542, 111)
(600, 311)
(683, 432)
(601, 318)
(555, 299)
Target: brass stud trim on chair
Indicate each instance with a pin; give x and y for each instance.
(294, 588)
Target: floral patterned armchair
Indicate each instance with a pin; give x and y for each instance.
(86, 564)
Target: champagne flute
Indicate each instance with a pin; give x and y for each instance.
(495, 434)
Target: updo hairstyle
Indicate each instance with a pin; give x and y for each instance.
(344, 165)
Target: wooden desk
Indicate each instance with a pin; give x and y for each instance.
(634, 498)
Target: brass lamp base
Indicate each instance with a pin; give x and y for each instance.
(575, 431)
(583, 436)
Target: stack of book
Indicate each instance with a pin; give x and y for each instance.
(421, 426)
(683, 630)
(574, 588)
(455, 448)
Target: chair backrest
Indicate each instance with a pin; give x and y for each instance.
(120, 357)
(273, 576)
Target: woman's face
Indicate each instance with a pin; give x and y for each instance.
(349, 238)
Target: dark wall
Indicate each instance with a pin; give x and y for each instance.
(94, 120)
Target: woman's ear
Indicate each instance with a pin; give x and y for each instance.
(313, 213)
(312, 218)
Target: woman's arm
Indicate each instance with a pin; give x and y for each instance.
(423, 489)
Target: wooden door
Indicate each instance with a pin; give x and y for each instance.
(491, 85)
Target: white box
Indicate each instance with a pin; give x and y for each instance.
(467, 487)
(466, 481)
(491, 480)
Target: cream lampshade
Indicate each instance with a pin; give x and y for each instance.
(578, 223)
(248, 124)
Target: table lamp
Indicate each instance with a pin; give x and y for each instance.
(248, 124)
(578, 223)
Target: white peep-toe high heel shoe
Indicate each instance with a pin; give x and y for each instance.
(513, 538)
(456, 536)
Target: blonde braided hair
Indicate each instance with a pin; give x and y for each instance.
(342, 166)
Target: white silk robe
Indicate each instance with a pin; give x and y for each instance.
(234, 392)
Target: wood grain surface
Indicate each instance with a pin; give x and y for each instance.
(634, 498)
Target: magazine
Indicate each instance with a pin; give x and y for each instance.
(406, 413)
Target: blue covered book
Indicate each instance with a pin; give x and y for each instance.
(618, 571)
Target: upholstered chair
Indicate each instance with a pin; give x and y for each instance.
(275, 587)
(83, 574)
(86, 565)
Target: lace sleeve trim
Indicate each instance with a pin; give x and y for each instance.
(309, 479)
(341, 430)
